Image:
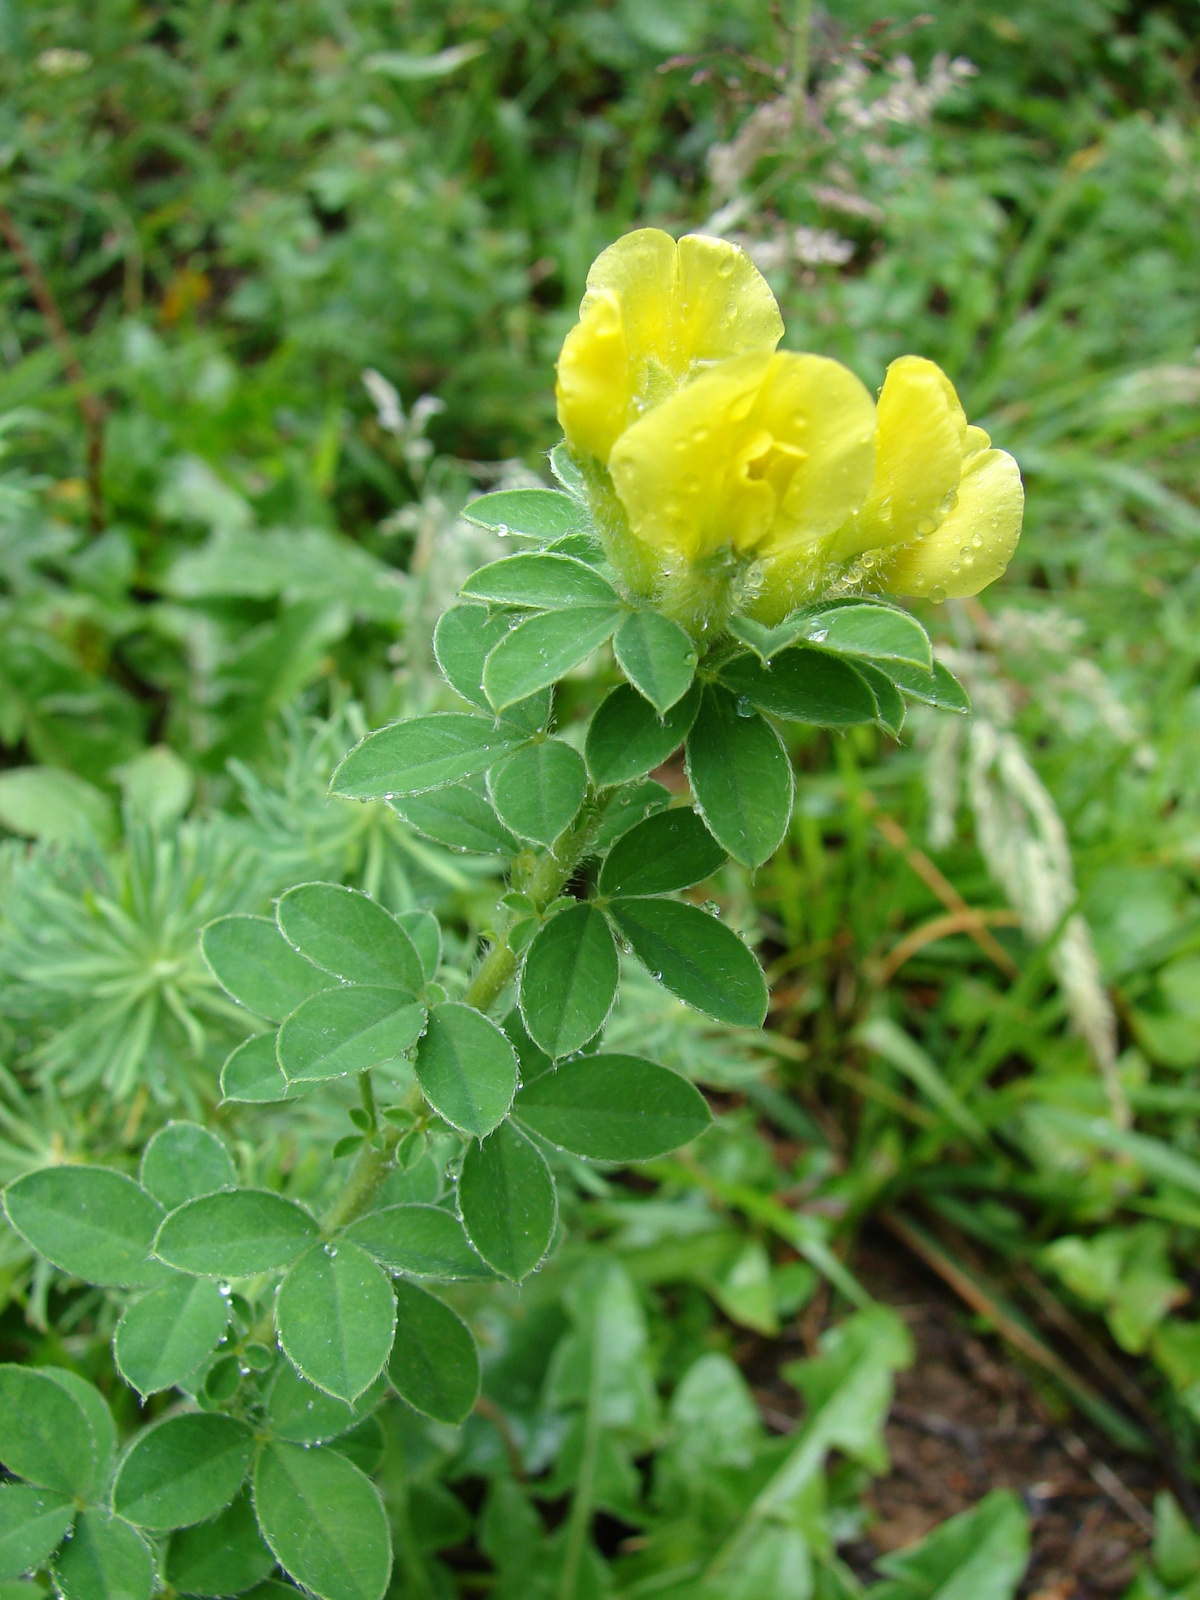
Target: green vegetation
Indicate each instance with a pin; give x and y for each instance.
(281, 287)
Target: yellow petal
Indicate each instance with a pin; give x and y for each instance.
(920, 436)
(762, 454)
(593, 384)
(974, 544)
(656, 314)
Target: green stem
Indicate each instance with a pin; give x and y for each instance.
(580, 1520)
(366, 1177)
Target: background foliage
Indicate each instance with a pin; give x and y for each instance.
(222, 552)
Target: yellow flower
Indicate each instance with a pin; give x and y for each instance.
(766, 454)
(941, 499)
(655, 315)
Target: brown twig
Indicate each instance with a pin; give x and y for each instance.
(968, 921)
(90, 407)
(972, 920)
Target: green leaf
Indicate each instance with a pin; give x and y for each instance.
(459, 816)
(740, 776)
(657, 657)
(104, 1559)
(32, 1525)
(55, 806)
(627, 738)
(95, 1409)
(164, 1336)
(803, 686)
(434, 1365)
(537, 513)
(880, 633)
(696, 957)
(941, 688)
(887, 697)
(422, 753)
(542, 581)
(365, 1445)
(507, 1202)
(45, 1434)
(613, 1108)
(767, 642)
(324, 1521)
(307, 1415)
(543, 649)
(335, 1315)
(668, 851)
(583, 546)
(252, 1074)
(631, 804)
(466, 1067)
(223, 1557)
(350, 935)
(422, 1241)
(184, 1160)
(347, 1030)
(235, 1233)
(463, 640)
(253, 963)
(980, 1554)
(569, 980)
(182, 1470)
(89, 1221)
(423, 928)
(538, 791)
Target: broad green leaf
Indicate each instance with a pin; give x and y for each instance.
(347, 1030)
(583, 546)
(466, 1067)
(541, 581)
(165, 1335)
(803, 686)
(543, 649)
(55, 806)
(32, 1525)
(253, 963)
(887, 697)
(657, 657)
(668, 851)
(980, 1554)
(184, 1160)
(181, 1470)
(434, 1365)
(104, 1559)
(422, 753)
(95, 1409)
(569, 980)
(307, 1415)
(537, 513)
(223, 1557)
(462, 642)
(767, 642)
(538, 791)
(422, 1241)
(90, 1221)
(775, 1565)
(439, 1518)
(323, 1520)
(740, 776)
(627, 738)
(613, 1108)
(423, 929)
(880, 633)
(252, 1074)
(335, 1315)
(45, 1434)
(507, 1201)
(365, 1445)
(235, 1233)
(696, 957)
(631, 804)
(939, 688)
(349, 935)
(459, 816)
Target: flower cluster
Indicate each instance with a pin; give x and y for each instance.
(726, 474)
